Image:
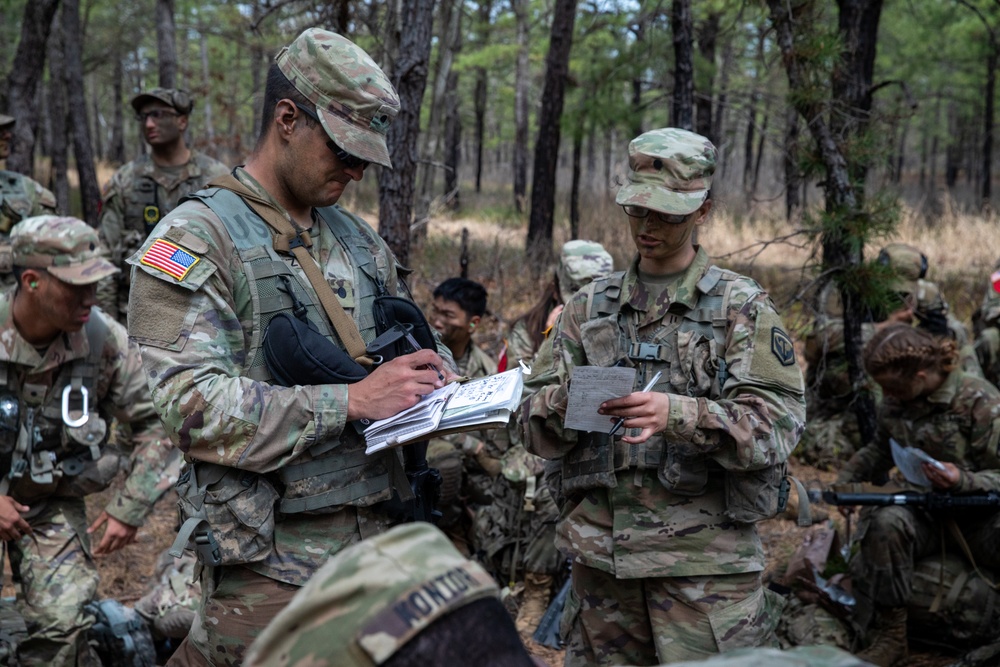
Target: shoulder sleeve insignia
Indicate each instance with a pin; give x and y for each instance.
(782, 347)
(169, 258)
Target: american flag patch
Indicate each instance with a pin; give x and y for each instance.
(169, 258)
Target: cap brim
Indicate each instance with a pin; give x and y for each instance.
(658, 198)
(362, 143)
(6, 121)
(86, 273)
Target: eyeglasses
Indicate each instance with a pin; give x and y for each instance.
(643, 212)
(156, 114)
(349, 161)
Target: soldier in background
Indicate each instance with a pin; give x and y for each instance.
(660, 523)
(144, 190)
(987, 321)
(20, 196)
(67, 369)
(469, 461)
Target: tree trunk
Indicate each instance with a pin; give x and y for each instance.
(793, 177)
(480, 95)
(166, 43)
(521, 85)
(844, 190)
(991, 86)
(574, 190)
(22, 83)
(58, 117)
(761, 143)
(452, 142)
(206, 82)
(748, 142)
(682, 112)
(451, 15)
(708, 33)
(543, 188)
(116, 151)
(396, 185)
(637, 78)
(90, 193)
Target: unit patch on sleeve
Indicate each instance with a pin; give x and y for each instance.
(782, 347)
(169, 258)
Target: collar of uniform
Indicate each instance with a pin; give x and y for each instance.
(146, 168)
(946, 393)
(686, 292)
(14, 349)
(246, 179)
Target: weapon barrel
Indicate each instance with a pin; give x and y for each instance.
(879, 499)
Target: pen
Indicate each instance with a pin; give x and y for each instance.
(648, 388)
(416, 346)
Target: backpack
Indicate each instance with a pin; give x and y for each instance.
(120, 636)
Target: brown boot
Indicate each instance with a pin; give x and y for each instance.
(534, 602)
(888, 643)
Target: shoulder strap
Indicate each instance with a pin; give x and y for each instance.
(290, 238)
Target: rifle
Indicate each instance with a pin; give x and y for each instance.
(933, 501)
(547, 633)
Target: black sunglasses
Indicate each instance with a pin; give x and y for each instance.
(350, 161)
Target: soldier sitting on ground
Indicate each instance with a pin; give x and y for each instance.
(929, 402)
(20, 196)
(66, 370)
(468, 461)
(144, 190)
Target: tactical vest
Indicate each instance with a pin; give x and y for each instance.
(691, 353)
(48, 448)
(337, 472)
(16, 201)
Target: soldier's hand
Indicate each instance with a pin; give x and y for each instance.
(12, 524)
(646, 410)
(395, 386)
(942, 479)
(116, 534)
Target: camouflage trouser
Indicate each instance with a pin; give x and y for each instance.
(236, 605)
(57, 578)
(894, 538)
(661, 620)
(512, 539)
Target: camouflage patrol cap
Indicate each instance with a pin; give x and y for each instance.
(65, 247)
(354, 99)
(580, 262)
(6, 121)
(670, 170)
(179, 100)
(909, 266)
(370, 599)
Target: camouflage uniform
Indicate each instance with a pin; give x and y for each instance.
(20, 196)
(667, 559)
(283, 460)
(136, 185)
(369, 600)
(987, 344)
(958, 423)
(466, 468)
(54, 566)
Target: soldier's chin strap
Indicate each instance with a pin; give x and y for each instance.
(292, 239)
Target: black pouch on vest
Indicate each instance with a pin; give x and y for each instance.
(392, 310)
(297, 354)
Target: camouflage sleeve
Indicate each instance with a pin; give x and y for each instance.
(127, 398)
(110, 228)
(194, 345)
(519, 344)
(761, 415)
(548, 385)
(982, 471)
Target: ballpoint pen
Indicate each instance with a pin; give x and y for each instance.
(645, 390)
(416, 346)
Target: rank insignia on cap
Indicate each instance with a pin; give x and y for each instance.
(782, 347)
(169, 258)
